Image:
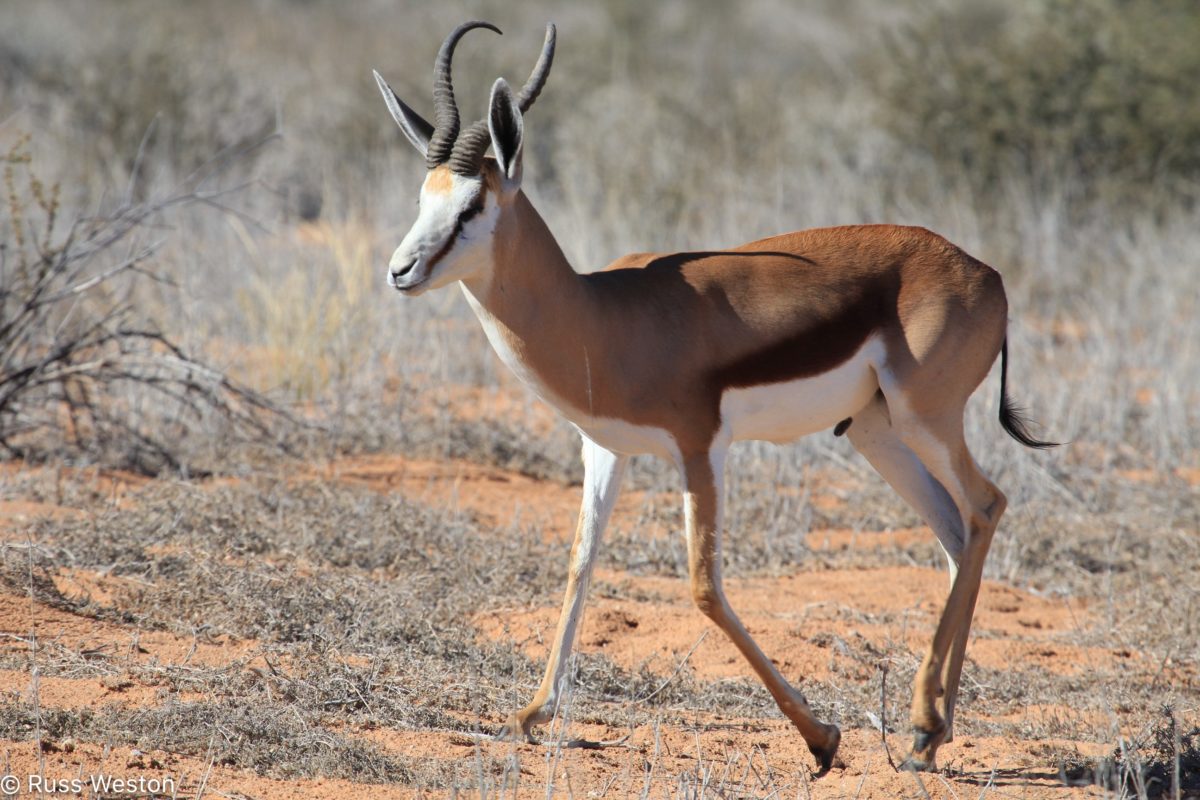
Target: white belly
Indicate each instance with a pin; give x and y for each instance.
(783, 412)
(626, 438)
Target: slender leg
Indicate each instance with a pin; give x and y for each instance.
(601, 485)
(941, 448)
(872, 435)
(703, 482)
(952, 669)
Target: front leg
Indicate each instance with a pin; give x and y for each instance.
(703, 477)
(602, 472)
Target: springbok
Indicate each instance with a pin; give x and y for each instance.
(879, 330)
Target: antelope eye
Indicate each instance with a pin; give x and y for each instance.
(471, 212)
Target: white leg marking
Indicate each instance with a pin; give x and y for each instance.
(603, 470)
(872, 435)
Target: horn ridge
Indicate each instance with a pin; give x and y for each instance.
(466, 157)
(445, 110)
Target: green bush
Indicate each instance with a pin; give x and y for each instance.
(1099, 95)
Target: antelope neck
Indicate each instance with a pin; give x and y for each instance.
(533, 292)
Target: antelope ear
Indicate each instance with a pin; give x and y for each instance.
(415, 128)
(507, 129)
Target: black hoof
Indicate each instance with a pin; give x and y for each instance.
(824, 755)
(925, 745)
(916, 764)
(513, 732)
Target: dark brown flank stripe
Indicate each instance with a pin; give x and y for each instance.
(813, 350)
(814, 347)
(817, 348)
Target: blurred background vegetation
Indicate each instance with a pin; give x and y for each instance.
(1058, 141)
(1100, 94)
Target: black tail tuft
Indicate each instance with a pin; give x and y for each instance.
(1012, 417)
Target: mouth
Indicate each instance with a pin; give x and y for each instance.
(412, 289)
(406, 281)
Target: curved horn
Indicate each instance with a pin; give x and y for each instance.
(541, 71)
(467, 155)
(445, 111)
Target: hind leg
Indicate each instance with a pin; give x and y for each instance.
(943, 450)
(873, 437)
(947, 472)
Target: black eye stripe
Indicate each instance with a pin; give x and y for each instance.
(472, 211)
(469, 213)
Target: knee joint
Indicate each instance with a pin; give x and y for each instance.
(707, 597)
(999, 504)
(985, 514)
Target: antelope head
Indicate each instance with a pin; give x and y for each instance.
(465, 192)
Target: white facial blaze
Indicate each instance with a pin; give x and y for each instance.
(448, 240)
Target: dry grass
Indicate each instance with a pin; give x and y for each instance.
(250, 731)
(360, 605)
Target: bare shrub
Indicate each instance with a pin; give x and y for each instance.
(82, 374)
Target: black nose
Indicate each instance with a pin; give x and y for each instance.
(401, 273)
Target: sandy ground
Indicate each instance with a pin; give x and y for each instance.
(677, 756)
